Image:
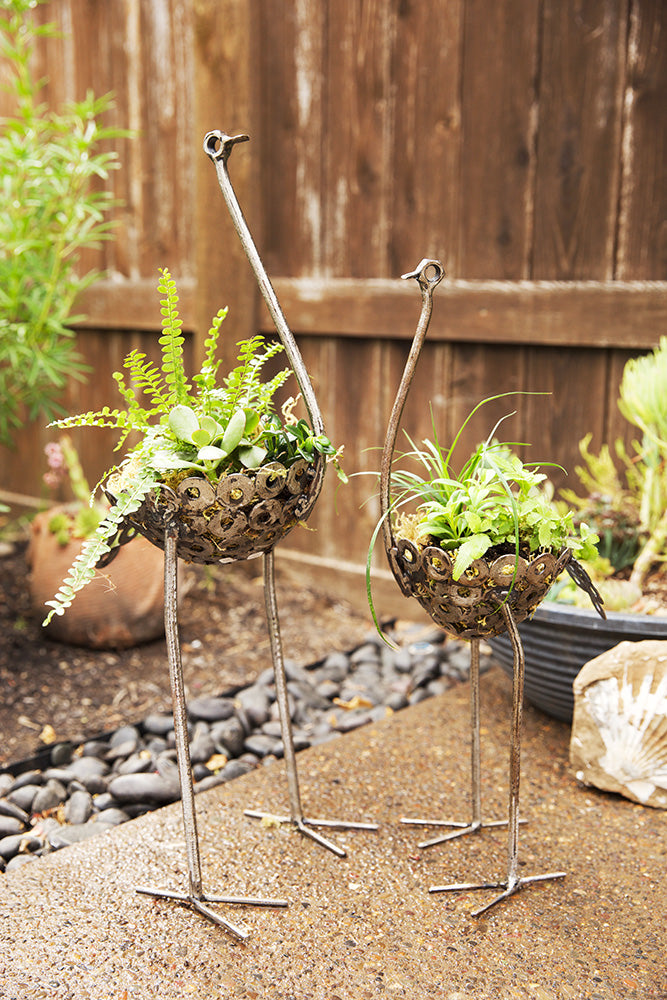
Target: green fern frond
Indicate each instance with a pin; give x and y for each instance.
(172, 340)
(94, 418)
(82, 570)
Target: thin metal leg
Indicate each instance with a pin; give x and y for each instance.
(513, 883)
(296, 816)
(196, 896)
(462, 829)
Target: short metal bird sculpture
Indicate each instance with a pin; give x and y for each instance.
(505, 591)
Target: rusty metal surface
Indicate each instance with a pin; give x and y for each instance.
(472, 607)
(243, 516)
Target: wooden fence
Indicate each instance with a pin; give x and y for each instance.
(521, 142)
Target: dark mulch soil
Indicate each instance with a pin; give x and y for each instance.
(225, 644)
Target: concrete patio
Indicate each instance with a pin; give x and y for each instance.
(366, 926)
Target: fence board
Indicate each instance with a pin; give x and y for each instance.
(580, 110)
(570, 314)
(642, 251)
(498, 125)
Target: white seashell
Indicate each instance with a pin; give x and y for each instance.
(619, 730)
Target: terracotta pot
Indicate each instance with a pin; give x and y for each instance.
(559, 640)
(122, 606)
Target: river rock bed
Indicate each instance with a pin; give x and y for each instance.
(83, 791)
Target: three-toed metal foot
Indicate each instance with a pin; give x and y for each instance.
(199, 900)
(476, 824)
(510, 887)
(296, 818)
(305, 827)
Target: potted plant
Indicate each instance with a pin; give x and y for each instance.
(237, 474)
(124, 605)
(54, 167)
(628, 510)
(478, 538)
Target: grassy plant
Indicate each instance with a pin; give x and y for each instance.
(53, 169)
(210, 428)
(494, 502)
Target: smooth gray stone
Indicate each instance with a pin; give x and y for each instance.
(335, 667)
(402, 661)
(60, 774)
(229, 736)
(202, 749)
(8, 808)
(295, 672)
(87, 767)
(126, 734)
(78, 808)
(6, 782)
(94, 748)
(9, 826)
(427, 670)
(24, 796)
(104, 801)
(347, 721)
(255, 704)
(368, 653)
(261, 745)
(120, 750)
(210, 781)
(152, 789)
(10, 846)
(307, 696)
(396, 701)
(234, 769)
(18, 861)
(158, 724)
(136, 763)
(61, 754)
(328, 689)
(68, 835)
(49, 796)
(27, 778)
(95, 783)
(416, 696)
(211, 709)
(111, 816)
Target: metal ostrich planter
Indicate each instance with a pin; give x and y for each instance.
(244, 515)
(491, 597)
(218, 147)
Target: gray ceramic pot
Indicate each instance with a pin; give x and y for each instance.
(558, 640)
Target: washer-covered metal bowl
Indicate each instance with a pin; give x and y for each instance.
(245, 514)
(470, 608)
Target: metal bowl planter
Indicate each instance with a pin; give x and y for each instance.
(471, 607)
(559, 639)
(244, 515)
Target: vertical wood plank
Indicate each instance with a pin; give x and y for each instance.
(642, 243)
(581, 96)
(358, 129)
(500, 44)
(425, 75)
(226, 99)
(576, 405)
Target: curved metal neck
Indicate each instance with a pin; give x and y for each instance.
(428, 274)
(218, 147)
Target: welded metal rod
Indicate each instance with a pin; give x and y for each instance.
(428, 273)
(218, 146)
(513, 883)
(179, 706)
